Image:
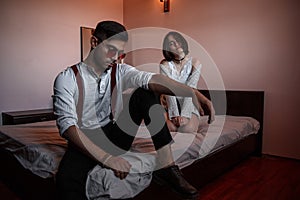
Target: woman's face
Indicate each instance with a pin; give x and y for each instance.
(175, 46)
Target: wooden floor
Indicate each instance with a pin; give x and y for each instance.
(266, 178)
(6, 194)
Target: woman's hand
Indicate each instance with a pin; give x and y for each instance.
(180, 121)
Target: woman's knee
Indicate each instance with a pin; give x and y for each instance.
(188, 129)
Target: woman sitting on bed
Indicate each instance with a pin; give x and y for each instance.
(181, 114)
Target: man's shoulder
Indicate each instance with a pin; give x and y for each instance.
(66, 75)
(124, 67)
(71, 70)
(67, 72)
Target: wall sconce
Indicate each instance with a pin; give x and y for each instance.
(166, 5)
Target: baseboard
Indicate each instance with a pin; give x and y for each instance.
(279, 157)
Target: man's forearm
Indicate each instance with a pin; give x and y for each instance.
(120, 166)
(74, 135)
(163, 85)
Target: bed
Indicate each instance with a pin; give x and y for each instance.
(31, 153)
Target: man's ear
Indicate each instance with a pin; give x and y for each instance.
(94, 42)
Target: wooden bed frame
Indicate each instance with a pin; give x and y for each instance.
(239, 103)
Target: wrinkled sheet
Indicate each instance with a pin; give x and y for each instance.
(102, 184)
(187, 147)
(39, 148)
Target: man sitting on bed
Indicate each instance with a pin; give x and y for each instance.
(84, 106)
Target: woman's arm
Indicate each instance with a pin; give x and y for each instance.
(173, 110)
(192, 81)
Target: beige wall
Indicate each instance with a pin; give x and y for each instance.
(255, 44)
(38, 40)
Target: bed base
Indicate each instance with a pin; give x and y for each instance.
(22, 181)
(240, 103)
(29, 186)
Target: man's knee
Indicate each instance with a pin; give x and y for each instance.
(143, 93)
(144, 97)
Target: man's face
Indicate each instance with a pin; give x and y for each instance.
(109, 51)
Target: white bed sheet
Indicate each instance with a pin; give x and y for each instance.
(188, 147)
(39, 148)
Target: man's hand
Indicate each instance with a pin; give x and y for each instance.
(200, 101)
(211, 111)
(120, 166)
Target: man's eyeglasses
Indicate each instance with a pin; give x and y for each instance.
(112, 51)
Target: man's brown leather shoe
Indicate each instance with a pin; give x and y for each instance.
(173, 177)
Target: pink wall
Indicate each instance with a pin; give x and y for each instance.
(254, 43)
(38, 40)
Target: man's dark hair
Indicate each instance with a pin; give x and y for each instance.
(110, 30)
(180, 39)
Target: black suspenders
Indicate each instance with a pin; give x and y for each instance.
(79, 106)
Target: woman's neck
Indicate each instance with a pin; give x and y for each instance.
(179, 58)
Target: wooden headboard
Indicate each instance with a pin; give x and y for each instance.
(239, 103)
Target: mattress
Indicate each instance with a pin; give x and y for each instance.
(39, 147)
(189, 147)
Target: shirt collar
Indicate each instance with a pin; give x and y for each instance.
(91, 70)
